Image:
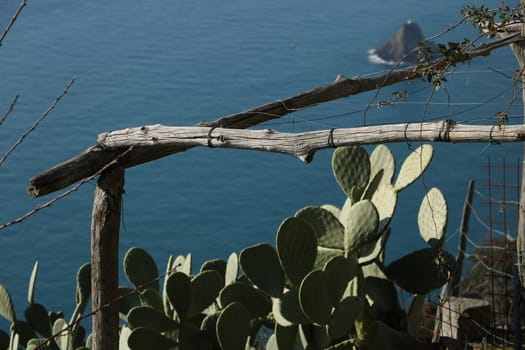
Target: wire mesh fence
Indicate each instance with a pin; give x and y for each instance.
(488, 309)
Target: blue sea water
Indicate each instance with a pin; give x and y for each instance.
(179, 62)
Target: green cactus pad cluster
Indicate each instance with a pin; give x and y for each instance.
(39, 325)
(323, 285)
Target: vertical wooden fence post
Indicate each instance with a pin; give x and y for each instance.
(105, 226)
(519, 52)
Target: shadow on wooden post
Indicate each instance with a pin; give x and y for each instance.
(105, 226)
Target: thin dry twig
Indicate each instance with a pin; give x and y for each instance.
(12, 21)
(38, 121)
(66, 193)
(9, 109)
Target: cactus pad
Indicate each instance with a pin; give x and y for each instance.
(327, 228)
(150, 297)
(38, 318)
(315, 298)
(382, 159)
(414, 166)
(205, 288)
(351, 168)
(339, 273)
(218, 265)
(140, 269)
(143, 316)
(297, 248)
(233, 327)
(432, 218)
(422, 270)
(361, 226)
(232, 269)
(178, 289)
(332, 209)
(6, 305)
(145, 339)
(32, 283)
(261, 266)
(256, 302)
(83, 291)
(344, 316)
(385, 201)
(287, 310)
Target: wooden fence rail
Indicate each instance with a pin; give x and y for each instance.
(156, 141)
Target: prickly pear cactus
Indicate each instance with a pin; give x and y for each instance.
(324, 284)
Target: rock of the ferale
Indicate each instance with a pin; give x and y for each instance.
(400, 47)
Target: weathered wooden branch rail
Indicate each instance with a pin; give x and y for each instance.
(155, 141)
(93, 159)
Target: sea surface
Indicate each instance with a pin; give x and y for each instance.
(179, 62)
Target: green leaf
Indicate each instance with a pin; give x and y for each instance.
(170, 269)
(140, 269)
(344, 316)
(256, 302)
(339, 273)
(233, 327)
(385, 201)
(374, 251)
(374, 183)
(128, 300)
(287, 309)
(365, 325)
(232, 269)
(205, 288)
(147, 339)
(151, 297)
(297, 248)
(24, 330)
(143, 316)
(32, 283)
(261, 265)
(414, 166)
(6, 305)
(218, 265)
(315, 298)
(178, 288)
(209, 327)
(432, 218)
(421, 271)
(332, 209)
(4, 340)
(83, 291)
(123, 338)
(286, 337)
(383, 159)
(38, 318)
(351, 168)
(382, 294)
(361, 227)
(328, 230)
(64, 341)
